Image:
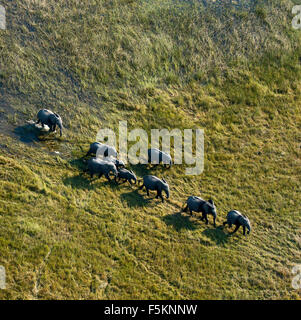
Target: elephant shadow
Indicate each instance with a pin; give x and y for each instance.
(79, 182)
(135, 199)
(79, 164)
(83, 181)
(217, 235)
(31, 132)
(180, 221)
(140, 170)
(146, 169)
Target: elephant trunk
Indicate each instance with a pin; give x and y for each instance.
(167, 193)
(248, 228)
(246, 223)
(60, 125)
(214, 217)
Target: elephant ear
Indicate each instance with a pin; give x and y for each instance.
(164, 180)
(247, 220)
(243, 221)
(53, 117)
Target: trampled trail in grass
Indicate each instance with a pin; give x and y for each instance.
(157, 64)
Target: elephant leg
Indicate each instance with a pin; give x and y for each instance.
(91, 174)
(100, 175)
(147, 191)
(206, 218)
(185, 209)
(225, 223)
(160, 195)
(237, 227)
(244, 231)
(108, 176)
(190, 211)
(38, 121)
(43, 125)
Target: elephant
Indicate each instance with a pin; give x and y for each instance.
(156, 156)
(126, 175)
(101, 167)
(197, 204)
(103, 150)
(51, 119)
(154, 183)
(118, 163)
(238, 219)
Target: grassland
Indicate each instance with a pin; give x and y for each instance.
(233, 70)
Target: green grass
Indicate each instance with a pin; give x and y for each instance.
(157, 64)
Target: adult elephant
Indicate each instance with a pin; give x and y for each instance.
(238, 219)
(102, 150)
(197, 204)
(51, 119)
(101, 167)
(156, 156)
(155, 184)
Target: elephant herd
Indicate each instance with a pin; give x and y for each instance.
(106, 163)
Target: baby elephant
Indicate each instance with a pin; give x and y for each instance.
(101, 167)
(156, 156)
(51, 119)
(101, 150)
(154, 183)
(197, 204)
(238, 219)
(126, 175)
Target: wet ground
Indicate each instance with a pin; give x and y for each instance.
(36, 136)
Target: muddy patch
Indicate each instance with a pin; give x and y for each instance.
(30, 132)
(34, 135)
